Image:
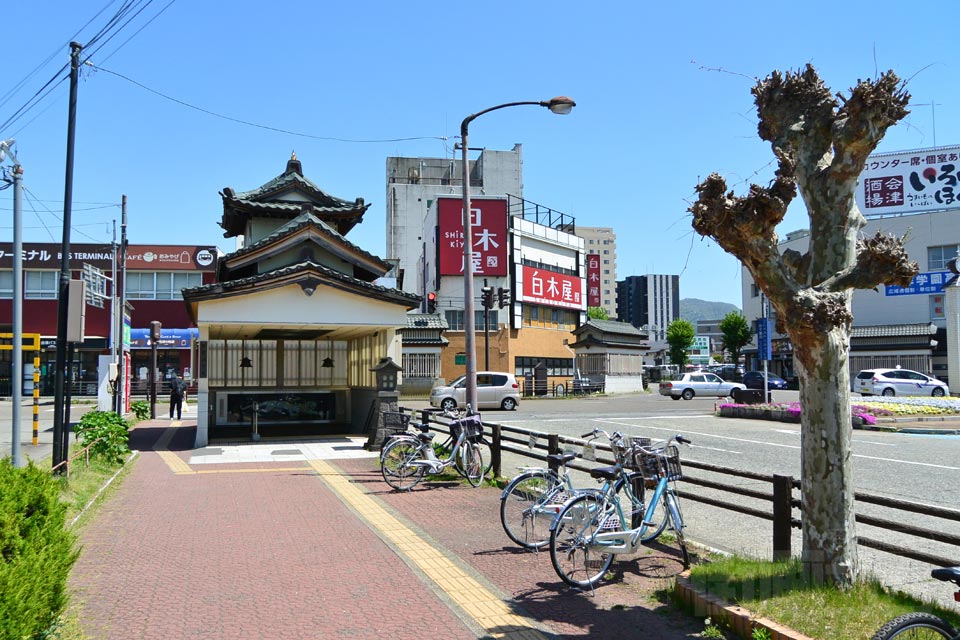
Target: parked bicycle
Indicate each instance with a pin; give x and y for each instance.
(589, 531)
(919, 625)
(531, 501)
(407, 457)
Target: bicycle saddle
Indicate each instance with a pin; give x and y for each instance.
(950, 574)
(561, 458)
(607, 473)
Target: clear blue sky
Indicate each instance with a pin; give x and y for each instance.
(663, 93)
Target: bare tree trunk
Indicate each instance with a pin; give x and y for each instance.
(829, 539)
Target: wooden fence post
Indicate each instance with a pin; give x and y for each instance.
(782, 516)
(553, 446)
(495, 451)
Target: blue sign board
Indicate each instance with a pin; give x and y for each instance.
(764, 348)
(169, 338)
(922, 284)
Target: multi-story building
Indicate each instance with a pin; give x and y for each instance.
(602, 243)
(528, 250)
(155, 275)
(649, 302)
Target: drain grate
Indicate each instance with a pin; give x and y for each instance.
(286, 452)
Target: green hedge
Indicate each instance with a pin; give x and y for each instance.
(36, 551)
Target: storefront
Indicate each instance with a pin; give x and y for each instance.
(174, 356)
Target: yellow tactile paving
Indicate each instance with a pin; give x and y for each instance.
(491, 613)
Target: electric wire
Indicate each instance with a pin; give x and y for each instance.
(29, 195)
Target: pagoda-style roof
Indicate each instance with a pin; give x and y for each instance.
(609, 334)
(310, 233)
(285, 197)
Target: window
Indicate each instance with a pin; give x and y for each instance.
(6, 284)
(454, 318)
(606, 242)
(606, 262)
(39, 284)
(938, 257)
(555, 366)
(937, 307)
(754, 290)
(606, 251)
(160, 285)
(549, 318)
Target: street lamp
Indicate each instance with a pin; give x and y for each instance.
(16, 358)
(561, 105)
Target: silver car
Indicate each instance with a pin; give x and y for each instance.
(698, 383)
(495, 390)
(898, 382)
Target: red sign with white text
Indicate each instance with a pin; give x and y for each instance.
(488, 220)
(593, 280)
(551, 288)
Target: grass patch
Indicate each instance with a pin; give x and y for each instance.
(779, 591)
(84, 483)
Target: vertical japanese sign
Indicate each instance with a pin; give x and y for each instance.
(763, 339)
(488, 218)
(593, 280)
(910, 182)
(552, 288)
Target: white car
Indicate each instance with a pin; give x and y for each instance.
(898, 382)
(698, 383)
(495, 390)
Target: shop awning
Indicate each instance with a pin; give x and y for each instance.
(169, 338)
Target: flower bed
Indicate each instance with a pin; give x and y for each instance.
(862, 413)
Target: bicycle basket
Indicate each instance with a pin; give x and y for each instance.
(651, 463)
(630, 455)
(395, 421)
(470, 424)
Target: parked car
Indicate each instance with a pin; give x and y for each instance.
(754, 380)
(702, 383)
(495, 390)
(729, 372)
(898, 382)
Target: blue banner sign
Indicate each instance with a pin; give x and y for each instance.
(763, 339)
(922, 284)
(169, 338)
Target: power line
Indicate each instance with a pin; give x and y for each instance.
(257, 125)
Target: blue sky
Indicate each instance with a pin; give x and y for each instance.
(663, 95)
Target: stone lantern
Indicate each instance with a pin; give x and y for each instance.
(386, 372)
(388, 402)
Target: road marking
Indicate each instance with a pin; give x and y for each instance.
(879, 444)
(495, 617)
(700, 446)
(919, 464)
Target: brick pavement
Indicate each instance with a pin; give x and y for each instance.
(291, 549)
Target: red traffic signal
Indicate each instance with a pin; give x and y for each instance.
(432, 302)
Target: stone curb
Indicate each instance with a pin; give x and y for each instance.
(739, 620)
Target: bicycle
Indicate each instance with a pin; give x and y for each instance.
(923, 625)
(588, 532)
(531, 501)
(407, 458)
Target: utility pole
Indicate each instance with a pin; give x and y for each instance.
(60, 431)
(16, 355)
(121, 393)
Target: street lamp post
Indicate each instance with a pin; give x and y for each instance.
(16, 355)
(561, 105)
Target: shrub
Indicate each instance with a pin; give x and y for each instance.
(108, 430)
(141, 409)
(36, 551)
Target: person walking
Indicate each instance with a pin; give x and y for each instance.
(178, 391)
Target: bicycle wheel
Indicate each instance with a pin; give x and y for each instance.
(658, 520)
(396, 468)
(676, 523)
(528, 506)
(470, 463)
(574, 558)
(915, 626)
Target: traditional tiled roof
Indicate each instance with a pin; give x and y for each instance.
(609, 326)
(304, 220)
(288, 274)
(426, 321)
(893, 330)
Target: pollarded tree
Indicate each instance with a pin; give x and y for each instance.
(821, 142)
(597, 313)
(736, 334)
(680, 334)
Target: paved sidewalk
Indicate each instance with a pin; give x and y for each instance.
(303, 539)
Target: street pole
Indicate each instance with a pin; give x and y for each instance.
(560, 105)
(63, 295)
(121, 394)
(16, 357)
(487, 298)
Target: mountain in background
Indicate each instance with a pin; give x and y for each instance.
(693, 309)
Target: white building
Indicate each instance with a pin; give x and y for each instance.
(602, 241)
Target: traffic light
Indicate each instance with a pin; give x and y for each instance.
(503, 297)
(487, 297)
(432, 302)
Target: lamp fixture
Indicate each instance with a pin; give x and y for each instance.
(327, 363)
(245, 363)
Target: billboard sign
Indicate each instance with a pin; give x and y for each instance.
(488, 220)
(910, 182)
(922, 284)
(552, 288)
(140, 257)
(593, 280)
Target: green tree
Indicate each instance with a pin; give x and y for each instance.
(821, 141)
(680, 334)
(597, 313)
(736, 334)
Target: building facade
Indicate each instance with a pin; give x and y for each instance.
(602, 242)
(526, 255)
(649, 302)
